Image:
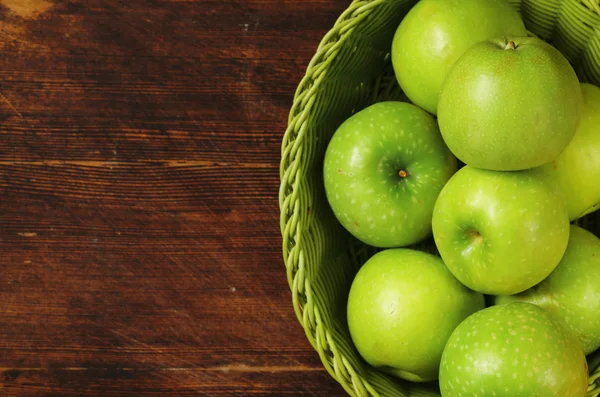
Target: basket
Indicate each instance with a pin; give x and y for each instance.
(351, 70)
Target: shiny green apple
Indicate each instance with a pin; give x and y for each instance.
(383, 171)
(510, 104)
(435, 33)
(572, 291)
(402, 307)
(513, 350)
(499, 232)
(576, 172)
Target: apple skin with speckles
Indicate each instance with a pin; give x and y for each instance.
(572, 291)
(402, 307)
(517, 350)
(435, 33)
(383, 170)
(510, 104)
(499, 233)
(576, 172)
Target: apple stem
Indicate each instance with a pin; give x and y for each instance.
(403, 174)
(510, 46)
(476, 237)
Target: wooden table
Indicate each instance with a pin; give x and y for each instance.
(139, 235)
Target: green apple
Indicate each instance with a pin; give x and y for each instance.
(513, 350)
(383, 171)
(510, 104)
(402, 307)
(576, 172)
(435, 33)
(499, 232)
(572, 291)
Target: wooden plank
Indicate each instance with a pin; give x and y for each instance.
(139, 228)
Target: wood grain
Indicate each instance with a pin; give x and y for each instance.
(139, 238)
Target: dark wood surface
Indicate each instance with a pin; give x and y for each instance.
(139, 236)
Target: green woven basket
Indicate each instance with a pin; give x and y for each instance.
(350, 71)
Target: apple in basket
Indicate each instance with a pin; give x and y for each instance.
(383, 170)
(435, 33)
(510, 104)
(515, 349)
(402, 307)
(572, 291)
(500, 232)
(576, 172)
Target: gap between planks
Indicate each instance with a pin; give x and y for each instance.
(168, 163)
(227, 368)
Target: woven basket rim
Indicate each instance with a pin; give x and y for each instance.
(334, 362)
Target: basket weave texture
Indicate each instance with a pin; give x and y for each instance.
(351, 70)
